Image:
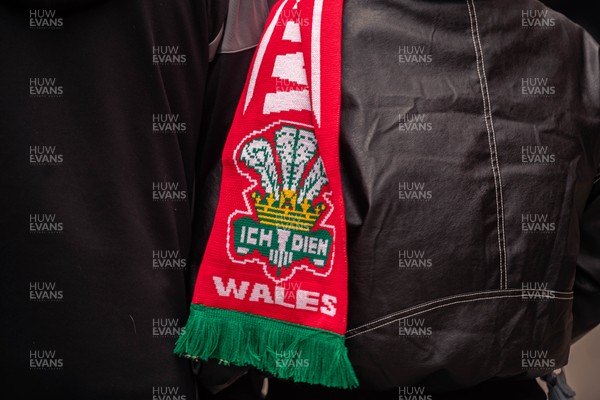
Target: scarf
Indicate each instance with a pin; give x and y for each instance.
(271, 291)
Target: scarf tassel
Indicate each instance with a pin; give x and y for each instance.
(283, 349)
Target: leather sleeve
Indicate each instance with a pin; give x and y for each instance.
(586, 303)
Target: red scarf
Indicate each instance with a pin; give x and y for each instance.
(272, 287)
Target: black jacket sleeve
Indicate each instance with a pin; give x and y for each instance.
(586, 304)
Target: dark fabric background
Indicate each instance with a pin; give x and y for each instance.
(585, 13)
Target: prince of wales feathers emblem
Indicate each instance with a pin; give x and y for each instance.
(287, 210)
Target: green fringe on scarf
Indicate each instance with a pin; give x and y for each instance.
(283, 349)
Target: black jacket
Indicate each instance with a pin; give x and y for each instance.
(470, 151)
(107, 112)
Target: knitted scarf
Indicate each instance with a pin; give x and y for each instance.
(271, 290)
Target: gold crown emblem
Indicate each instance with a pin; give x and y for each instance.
(286, 213)
(289, 195)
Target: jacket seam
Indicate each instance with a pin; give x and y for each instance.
(441, 306)
(491, 133)
(480, 294)
(491, 117)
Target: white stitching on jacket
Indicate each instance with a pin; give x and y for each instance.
(487, 91)
(489, 125)
(432, 302)
(441, 306)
